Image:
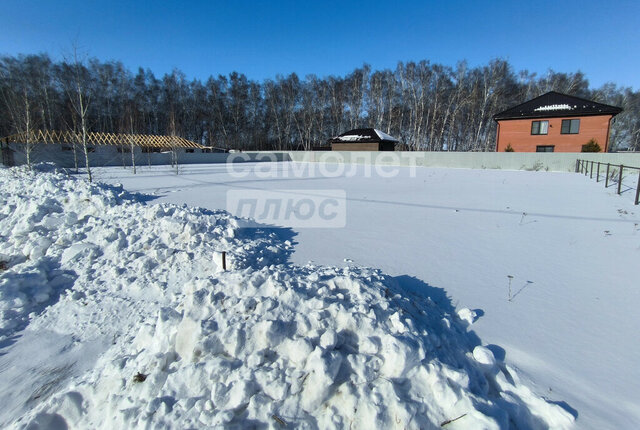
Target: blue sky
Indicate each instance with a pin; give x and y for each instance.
(264, 38)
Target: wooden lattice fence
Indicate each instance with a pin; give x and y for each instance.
(116, 139)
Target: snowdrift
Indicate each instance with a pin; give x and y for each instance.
(116, 314)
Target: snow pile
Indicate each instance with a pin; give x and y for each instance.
(554, 107)
(55, 229)
(177, 343)
(314, 347)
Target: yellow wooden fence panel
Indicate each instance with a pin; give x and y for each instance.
(95, 138)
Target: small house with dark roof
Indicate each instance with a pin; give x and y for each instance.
(363, 139)
(554, 122)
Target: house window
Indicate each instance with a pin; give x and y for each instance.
(544, 148)
(539, 127)
(570, 126)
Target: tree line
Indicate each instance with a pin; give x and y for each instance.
(427, 106)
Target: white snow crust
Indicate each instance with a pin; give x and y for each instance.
(352, 138)
(357, 137)
(116, 314)
(554, 107)
(456, 235)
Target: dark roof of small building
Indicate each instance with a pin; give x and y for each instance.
(553, 105)
(363, 135)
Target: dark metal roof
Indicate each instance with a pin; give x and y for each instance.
(553, 105)
(363, 135)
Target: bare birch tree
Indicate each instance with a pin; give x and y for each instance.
(76, 86)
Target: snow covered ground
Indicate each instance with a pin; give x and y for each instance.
(571, 246)
(116, 313)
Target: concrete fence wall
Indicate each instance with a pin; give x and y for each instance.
(109, 156)
(557, 162)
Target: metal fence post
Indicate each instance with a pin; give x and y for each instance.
(598, 173)
(577, 165)
(606, 181)
(638, 189)
(591, 173)
(620, 179)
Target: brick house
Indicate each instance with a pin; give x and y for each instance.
(554, 122)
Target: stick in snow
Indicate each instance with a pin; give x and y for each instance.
(444, 423)
(279, 420)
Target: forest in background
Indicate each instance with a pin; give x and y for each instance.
(427, 106)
